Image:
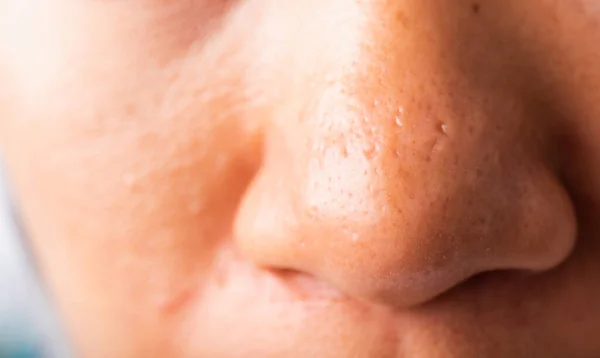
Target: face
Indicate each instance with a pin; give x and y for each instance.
(340, 178)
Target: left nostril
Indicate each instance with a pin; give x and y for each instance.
(306, 286)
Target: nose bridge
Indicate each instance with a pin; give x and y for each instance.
(377, 121)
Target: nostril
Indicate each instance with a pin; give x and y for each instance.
(306, 286)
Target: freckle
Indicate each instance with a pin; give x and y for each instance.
(345, 151)
(475, 7)
(403, 19)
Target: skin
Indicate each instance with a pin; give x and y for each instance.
(340, 178)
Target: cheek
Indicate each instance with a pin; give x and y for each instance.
(143, 159)
(129, 210)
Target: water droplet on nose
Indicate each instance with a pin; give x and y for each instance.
(400, 117)
(399, 122)
(444, 128)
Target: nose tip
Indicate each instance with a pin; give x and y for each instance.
(375, 234)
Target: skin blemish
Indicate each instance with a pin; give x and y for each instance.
(475, 8)
(432, 150)
(403, 19)
(400, 117)
(443, 129)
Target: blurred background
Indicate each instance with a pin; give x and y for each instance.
(27, 324)
(18, 335)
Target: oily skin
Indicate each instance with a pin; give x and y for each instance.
(341, 178)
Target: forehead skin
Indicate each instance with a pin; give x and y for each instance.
(166, 153)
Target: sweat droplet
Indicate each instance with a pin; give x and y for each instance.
(444, 128)
(399, 122)
(400, 117)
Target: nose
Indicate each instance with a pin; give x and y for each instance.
(397, 174)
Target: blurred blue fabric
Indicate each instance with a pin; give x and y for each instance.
(28, 326)
(18, 337)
